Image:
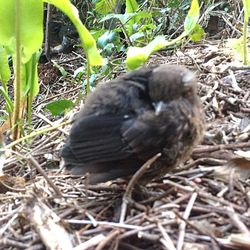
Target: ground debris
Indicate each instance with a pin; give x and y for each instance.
(202, 205)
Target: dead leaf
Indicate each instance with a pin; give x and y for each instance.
(11, 183)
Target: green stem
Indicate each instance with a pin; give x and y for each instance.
(36, 133)
(245, 39)
(88, 75)
(18, 74)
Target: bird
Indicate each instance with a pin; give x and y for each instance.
(130, 119)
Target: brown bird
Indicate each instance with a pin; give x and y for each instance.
(130, 119)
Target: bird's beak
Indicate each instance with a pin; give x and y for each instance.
(158, 107)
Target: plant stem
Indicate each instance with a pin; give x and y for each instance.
(88, 76)
(18, 75)
(245, 39)
(33, 134)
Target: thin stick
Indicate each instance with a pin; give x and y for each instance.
(31, 159)
(33, 134)
(183, 224)
(127, 195)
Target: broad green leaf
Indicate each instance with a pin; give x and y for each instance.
(29, 22)
(246, 4)
(197, 33)
(138, 56)
(30, 78)
(191, 18)
(105, 6)
(131, 6)
(4, 67)
(88, 42)
(58, 107)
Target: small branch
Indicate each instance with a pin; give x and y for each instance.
(183, 224)
(128, 193)
(43, 173)
(90, 243)
(48, 225)
(206, 148)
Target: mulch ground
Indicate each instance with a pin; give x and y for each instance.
(204, 204)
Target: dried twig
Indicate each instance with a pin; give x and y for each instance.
(44, 174)
(48, 225)
(127, 195)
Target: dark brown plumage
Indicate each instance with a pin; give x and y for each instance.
(128, 120)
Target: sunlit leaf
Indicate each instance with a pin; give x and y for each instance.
(131, 6)
(197, 33)
(4, 66)
(29, 23)
(138, 56)
(192, 17)
(105, 6)
(30, 78)
(246, 4)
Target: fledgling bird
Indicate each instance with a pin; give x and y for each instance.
(128, 120)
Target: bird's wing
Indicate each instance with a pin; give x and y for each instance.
(149, 134)
(96, 138)
(107, 138)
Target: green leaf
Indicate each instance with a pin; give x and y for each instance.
(197, 33)
(60, 68)
(4, 67)
(138, 56)
(28, 21)
(192, 17)
(30, 77)
(58, 107)
(9, 103)
(97, 33)
(136, 36)
(131, 6)
(105, 6)
(122, 17)
(88, 42)
(107, 37)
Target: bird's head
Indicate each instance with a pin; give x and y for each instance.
(171, 82)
